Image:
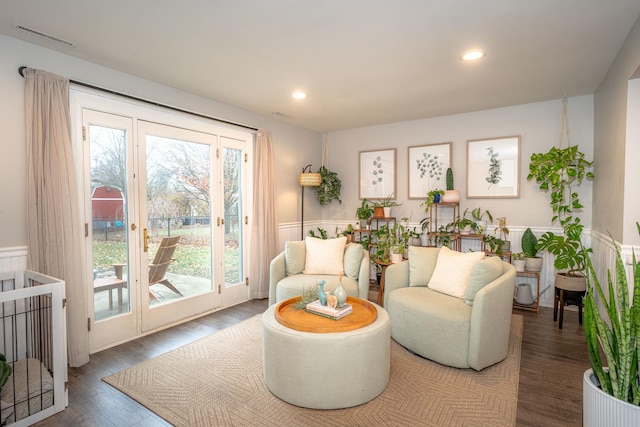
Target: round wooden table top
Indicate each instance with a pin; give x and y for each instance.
(364, 313)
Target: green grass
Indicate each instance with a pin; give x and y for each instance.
(192, 257)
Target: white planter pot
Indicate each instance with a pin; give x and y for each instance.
(396, 258)
(387, 212)
(519, 264)
(466, 230)
(534, 264)
(481, 226)
(424, 240)
(600, 409)
(450, 196)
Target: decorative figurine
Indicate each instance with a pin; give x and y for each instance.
(332, 301)
(322, 296)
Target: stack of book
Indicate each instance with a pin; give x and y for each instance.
(332, 313)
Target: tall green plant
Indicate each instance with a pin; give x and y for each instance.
(449, 177)
(559, 171)
(529, 243)
(619, 336)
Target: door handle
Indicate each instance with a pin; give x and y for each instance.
(145, 238)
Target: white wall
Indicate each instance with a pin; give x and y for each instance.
(294, 146)
(537, 124)
(610, 128)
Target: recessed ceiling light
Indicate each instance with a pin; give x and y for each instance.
(472, 55)
(298, 95)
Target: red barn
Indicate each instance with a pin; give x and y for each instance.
(107, 203)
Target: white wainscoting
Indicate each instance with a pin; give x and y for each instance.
(604, 259)
(603, 256)
(13, 259)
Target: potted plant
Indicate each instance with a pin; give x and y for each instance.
(330, 187)
(495, 244)
(444, 235)
(364, 212)
(478, 215)
(425, 239)
(465, 225)
(519, 260)
(385, 204)
(503, 232)
(381, 241)
(614, 388)
(450, 195)
(530, 249)
(348, 233)
(560, 171)
(433, 196)
(398, 240)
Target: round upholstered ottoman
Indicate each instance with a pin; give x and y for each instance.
(326, 370)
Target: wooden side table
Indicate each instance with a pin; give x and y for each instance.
(384, 266)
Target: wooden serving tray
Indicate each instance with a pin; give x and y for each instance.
(364, 313)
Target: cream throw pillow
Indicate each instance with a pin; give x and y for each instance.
(324, 256)
(452, 271)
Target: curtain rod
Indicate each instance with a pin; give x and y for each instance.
(135, 98)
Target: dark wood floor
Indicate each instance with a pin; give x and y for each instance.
(550, 391)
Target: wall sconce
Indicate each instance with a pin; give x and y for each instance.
(306, 178)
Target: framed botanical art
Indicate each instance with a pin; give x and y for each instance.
(427, 168)
(378, 174)
(493, 167)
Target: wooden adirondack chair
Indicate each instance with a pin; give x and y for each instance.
(158, 268)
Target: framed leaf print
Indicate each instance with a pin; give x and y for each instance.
(377, 174)
(427, 168)
(493, 167)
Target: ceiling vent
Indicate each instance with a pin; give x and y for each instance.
(44, 36)
(283, 115)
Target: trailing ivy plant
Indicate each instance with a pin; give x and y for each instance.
(560, 171)
(330, 187)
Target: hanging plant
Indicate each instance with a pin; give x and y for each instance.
(330, 187)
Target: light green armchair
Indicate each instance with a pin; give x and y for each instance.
(287, 277)
(471, 331)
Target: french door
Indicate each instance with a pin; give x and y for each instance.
(166, 223)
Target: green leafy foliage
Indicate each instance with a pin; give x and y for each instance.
(5, 370)
(330, 187)
(365, 211)
(322, 233)
(449, 179)
(558, 171)
(529, 243)
(617, 337)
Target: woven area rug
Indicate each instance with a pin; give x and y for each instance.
(217, 381)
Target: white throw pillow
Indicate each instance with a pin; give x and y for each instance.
(452, 271)
(294, 256)
(324, 256)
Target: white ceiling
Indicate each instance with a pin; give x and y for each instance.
(363, 62)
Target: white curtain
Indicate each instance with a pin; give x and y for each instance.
(264, 235)
(54, 230)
